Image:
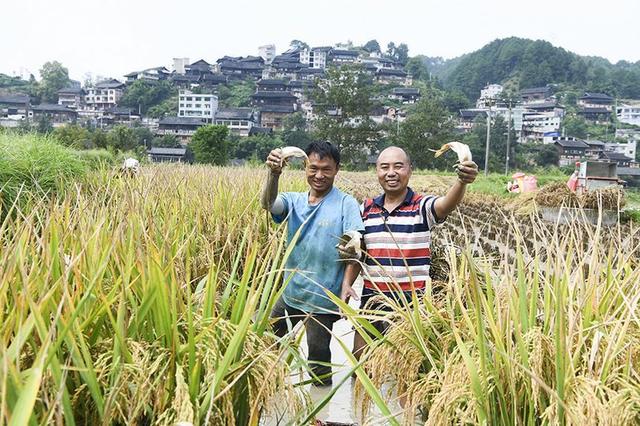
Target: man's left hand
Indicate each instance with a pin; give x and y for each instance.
(348, 292)
(467, 171)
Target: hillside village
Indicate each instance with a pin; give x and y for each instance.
(277, 86)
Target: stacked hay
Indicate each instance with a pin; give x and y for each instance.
(610, 198)
(556, 195)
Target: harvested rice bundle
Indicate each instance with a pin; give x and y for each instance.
(556, 195)
(610, 198)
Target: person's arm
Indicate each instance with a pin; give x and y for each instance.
(467, 172)
(270, 189)
(351, 272)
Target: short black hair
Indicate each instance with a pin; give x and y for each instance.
(323, 149)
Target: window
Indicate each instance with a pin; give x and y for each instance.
(189, 98)
(181, 105)
(197, 105)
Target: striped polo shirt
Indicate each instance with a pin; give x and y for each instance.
(398, 242)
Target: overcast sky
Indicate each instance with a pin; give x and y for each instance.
(113, 37)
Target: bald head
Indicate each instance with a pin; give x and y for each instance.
(393, 154)
(394, 170)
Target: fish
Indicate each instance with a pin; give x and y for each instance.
(291, 151)
(463, 151)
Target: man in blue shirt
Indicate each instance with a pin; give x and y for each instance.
(321, 216)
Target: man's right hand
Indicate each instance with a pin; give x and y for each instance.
(274, 161)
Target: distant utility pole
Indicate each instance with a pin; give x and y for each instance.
(506, 162)
(486, 153)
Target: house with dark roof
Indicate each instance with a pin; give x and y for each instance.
(199, 67)
(170, 155)
(150, 74)
(239, 67)
(595, 148)
(598, 115)
(239, 121)
(185, 81)
(468, 117)
(570, 150)
(339, 56)
(271, 85)
(535, 94)
(596, 100)
(104, 94)
(15, 107)
(385, 75)
(273, 97)
(272, 116)
(119, 115)
(307, 73)
(407, 95)
(620, 159)
(181, 127)
(72, 97)
(59, 115)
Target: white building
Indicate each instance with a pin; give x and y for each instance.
(180, 65)
(628, 149)
(103, 95)
(315, 57)
(268, 52)
(197, 105)
(629, 114)
(488, 95)
(540, 126)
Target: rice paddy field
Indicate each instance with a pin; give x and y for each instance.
(146, 301)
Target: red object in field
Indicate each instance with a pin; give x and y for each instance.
(572, 183)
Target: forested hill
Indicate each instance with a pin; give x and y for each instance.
(519, 63)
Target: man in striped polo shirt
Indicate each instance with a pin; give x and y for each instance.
(397, 232)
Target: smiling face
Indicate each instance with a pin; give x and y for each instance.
(321, 172)
(394, 170)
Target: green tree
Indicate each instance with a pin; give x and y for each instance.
(417, 68)
(427, 127)
(372, 46)
(72, 135)
(168, 107)
(256, 147)
(54, 77)
(342, 104)
(298, 44)
(210, 145)
(142, 95)
(294, 132)
(166, 141)
(236, 93)
(575, 126)
(122, 138)
(99, 138)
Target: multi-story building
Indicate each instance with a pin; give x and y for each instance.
(267, 52)
(238, 120)
(180, 65)
(488, 95)
(198, 105)
(15, 107)
(629, 114)
(540, 126)
(315, 57)
(181, 127)
(72, 97)
(58, 115)
(339, 57)
(407, 95)
(627, 148)
(596, 100)
(103, 95)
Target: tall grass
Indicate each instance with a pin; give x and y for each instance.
(550, 335)
(142, 301)
(34, 164)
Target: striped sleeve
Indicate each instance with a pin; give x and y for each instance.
(429, 211)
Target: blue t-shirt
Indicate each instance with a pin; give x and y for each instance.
(314, 260)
